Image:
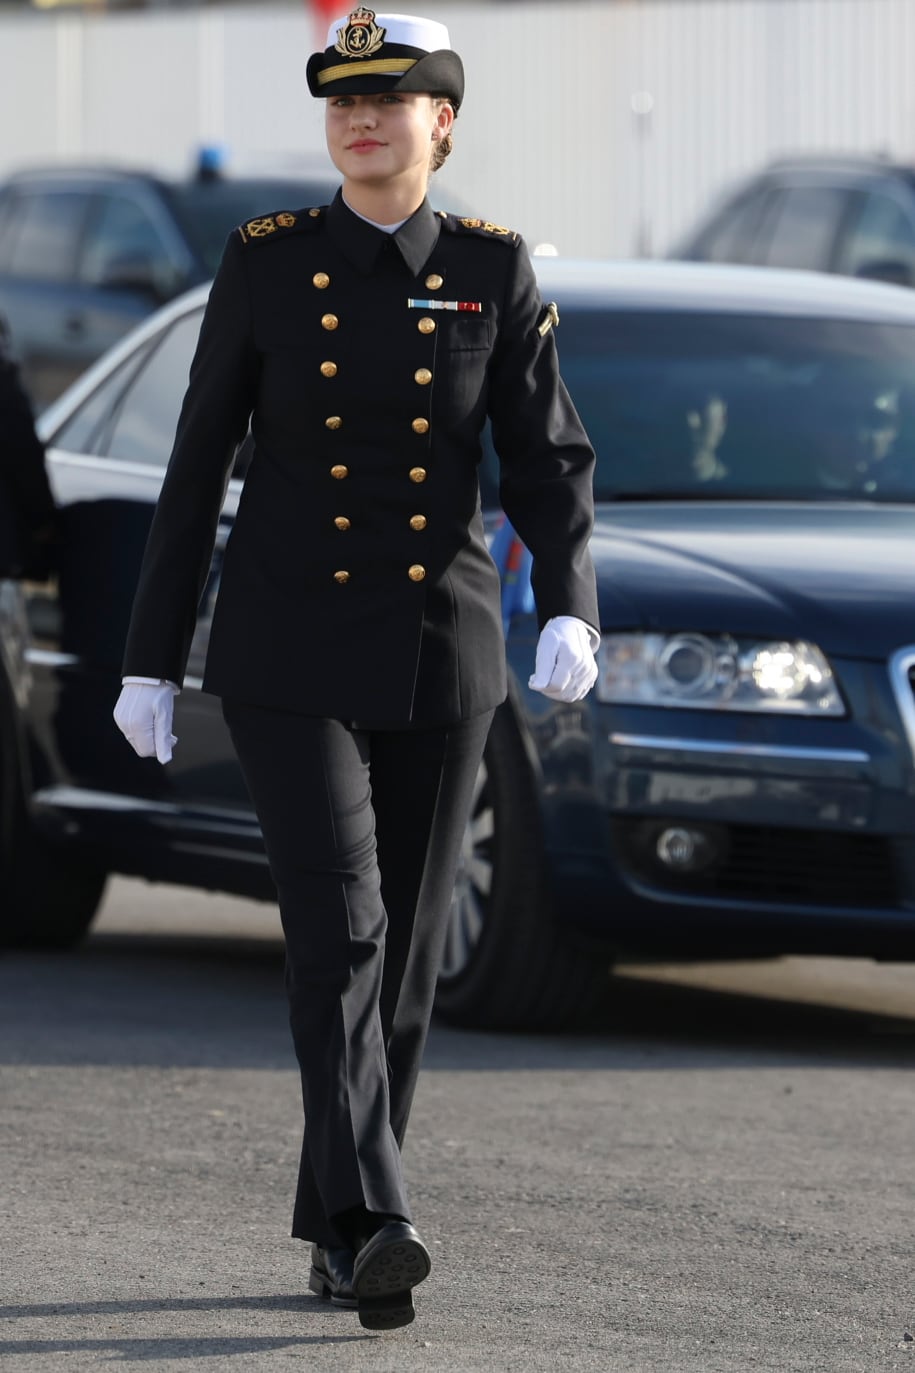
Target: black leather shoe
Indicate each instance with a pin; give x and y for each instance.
(386, 1269)
(332, 1275)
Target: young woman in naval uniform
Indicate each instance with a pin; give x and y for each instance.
(357, 640)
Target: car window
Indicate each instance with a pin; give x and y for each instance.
(83, 432)
(743, 406)
(45, 233)
(880, 241)
(144, 426)
(731, 238)
(804, 227)
(122, 236)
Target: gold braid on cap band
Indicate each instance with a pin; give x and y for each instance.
(391, 66)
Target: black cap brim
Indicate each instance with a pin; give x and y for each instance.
(440, 73)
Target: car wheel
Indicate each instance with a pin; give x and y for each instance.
(505, 964)
(48, 896)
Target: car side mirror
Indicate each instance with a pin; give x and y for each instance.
(133, 272)
(896, 272)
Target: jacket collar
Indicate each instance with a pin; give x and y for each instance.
(361, 243)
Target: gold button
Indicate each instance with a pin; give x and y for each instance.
(417, 572)
(342, 522)
(434, 281)
(341, 576)
(417, 474)
(333, 422)
(328, 369)
(314, 213)
(422, 376)
(321, 280)
(420, 426)
(329, 321)
(338, 471)
(426, 325)
(417, 522)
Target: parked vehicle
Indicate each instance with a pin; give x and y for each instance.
(740, 782)
(88, 252)
(852, 215)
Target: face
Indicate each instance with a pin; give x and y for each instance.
(384, 138)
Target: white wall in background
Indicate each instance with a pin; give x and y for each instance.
(547, 142)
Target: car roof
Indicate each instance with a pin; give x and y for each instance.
(104, 174)
(64, 171)
(708, 288)
(840, 162)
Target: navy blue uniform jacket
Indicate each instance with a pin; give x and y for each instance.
(357, 582)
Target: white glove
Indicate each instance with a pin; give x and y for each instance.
(144, 713)
(565, 669)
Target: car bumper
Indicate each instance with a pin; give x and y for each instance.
(802, 831)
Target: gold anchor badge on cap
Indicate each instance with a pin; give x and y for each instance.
(361, 36)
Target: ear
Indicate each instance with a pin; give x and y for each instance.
(443, 121)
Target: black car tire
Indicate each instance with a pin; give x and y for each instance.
(506, 964)
(48, 896)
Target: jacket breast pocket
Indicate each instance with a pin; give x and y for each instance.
(463, 357)
(468, 333)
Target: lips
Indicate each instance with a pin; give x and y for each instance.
(364, 144)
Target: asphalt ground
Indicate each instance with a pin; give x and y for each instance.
(718, 1175)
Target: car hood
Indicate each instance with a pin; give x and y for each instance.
(840, 575)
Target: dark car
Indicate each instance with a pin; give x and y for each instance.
(741, 780)
(852, 215)
(86, 253)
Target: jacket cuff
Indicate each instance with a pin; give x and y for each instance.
(148, 681)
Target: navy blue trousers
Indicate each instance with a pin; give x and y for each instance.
(363, 832)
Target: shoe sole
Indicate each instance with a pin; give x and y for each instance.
(318, 1284)
(386, 1313)
(384, 1281)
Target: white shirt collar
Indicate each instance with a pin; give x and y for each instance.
(385, 228)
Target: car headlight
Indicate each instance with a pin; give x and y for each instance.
(716, 672)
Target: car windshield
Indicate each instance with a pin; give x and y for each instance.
(727, 406)
(208, 211)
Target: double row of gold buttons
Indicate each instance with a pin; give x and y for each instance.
(422, 376)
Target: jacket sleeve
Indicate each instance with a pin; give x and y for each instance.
(546, 460)
(213, 421)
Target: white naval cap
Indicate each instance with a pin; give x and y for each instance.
(367, 53)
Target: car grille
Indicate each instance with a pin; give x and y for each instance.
(780, 866)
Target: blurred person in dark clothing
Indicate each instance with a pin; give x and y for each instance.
(28, 517)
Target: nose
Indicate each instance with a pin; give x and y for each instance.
(362, 115)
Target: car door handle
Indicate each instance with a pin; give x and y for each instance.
(74, 325)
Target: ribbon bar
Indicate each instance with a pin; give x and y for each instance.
(474, 305)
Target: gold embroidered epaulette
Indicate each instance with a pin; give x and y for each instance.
(281, 223)
(485, 227)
